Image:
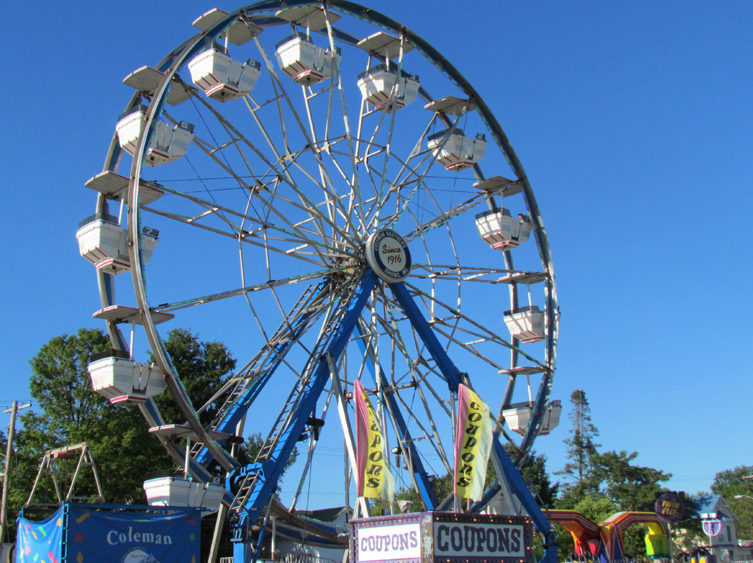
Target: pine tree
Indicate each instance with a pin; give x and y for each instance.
(581, 445)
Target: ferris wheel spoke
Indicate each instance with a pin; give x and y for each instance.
(391, 112)
(296, 233)
(322, 220)
(211, 298)
(360, 162)
(369, 204)
(413, 181)
(484, 332)
(333, 335)
(244, 388)
(427, 163)
(280, 168)
(214, 152)
(463, 273)
(419, 382)
(443, 218)
(378, 203)
(254, 375)
(313, 442)
(297, 252)
(326, 183)
(354, 206)
(391, 398)
(333, 200)
(286, 157)
(312, 214)
(352, 154)
(277, 165)
(207, 209)
(409, 171)
(285, 160)
(372, 149)
(427, 424)
(385, 188)
(247, 297)
(390, 325)
(416, 378)
(217, 152)
(321, 310)
(320, 143)
(470, 346)
(334, 207)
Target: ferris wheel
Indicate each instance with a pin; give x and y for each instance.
(322, 191)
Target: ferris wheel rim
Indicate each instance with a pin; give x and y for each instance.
(189, 48)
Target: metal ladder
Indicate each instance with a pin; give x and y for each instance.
(261, 367)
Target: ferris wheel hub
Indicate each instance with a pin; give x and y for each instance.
(387, 254)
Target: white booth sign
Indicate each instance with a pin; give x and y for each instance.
(389, 543)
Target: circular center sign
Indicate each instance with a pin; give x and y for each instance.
(388, 256)
(711, 527)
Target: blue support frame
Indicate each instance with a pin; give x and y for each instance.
(273, 467)
(240, 407)
(453, 377)
(451, 373)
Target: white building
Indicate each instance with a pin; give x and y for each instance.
(719, 517)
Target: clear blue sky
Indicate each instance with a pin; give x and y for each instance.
(633, 121)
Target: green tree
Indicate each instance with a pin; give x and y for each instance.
(66, 411)
(596, 508)
(442, 487)
(533, 470)
(202, 366)
(687, 532)
(630, 487)
(581, 449)
(731, 483)
(601, 483)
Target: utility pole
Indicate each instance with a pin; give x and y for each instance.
(15, 407)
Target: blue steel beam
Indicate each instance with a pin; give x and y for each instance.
(239, 408)
(454, 378)
(451, 373)
(273, 467)
(519, 488)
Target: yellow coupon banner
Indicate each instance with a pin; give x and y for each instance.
(375, 479)
(473, 443)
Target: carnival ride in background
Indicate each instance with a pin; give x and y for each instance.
(604, 542)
